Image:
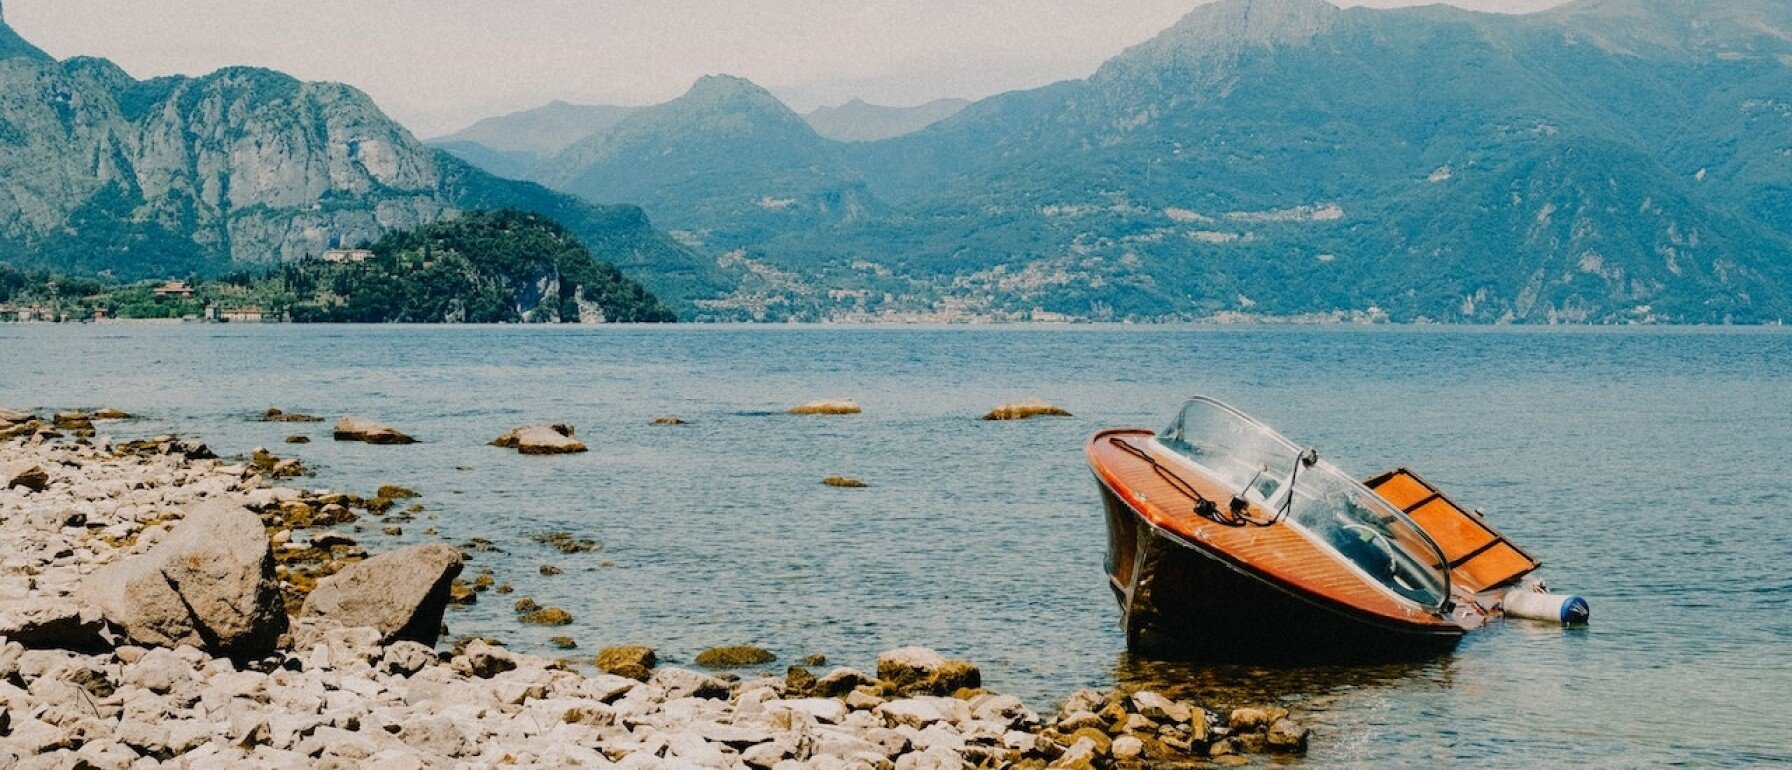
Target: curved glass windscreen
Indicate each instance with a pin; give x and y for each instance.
(1257, 464)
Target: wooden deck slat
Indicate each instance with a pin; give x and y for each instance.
(1480, 557)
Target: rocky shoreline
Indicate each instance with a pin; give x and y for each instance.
(163, 607)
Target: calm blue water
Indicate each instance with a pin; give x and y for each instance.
(1651, 470)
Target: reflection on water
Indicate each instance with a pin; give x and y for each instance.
(985, 540)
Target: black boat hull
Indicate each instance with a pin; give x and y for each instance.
(1180, 600)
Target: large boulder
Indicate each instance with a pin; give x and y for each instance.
(921, 671)
(540, 440)
(400, 593)
(209, 584)
(15, 416)
(352, 428)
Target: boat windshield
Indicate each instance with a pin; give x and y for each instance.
(1256, 463)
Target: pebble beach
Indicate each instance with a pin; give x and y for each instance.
(164, 607)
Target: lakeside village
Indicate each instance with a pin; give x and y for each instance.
(86, 300)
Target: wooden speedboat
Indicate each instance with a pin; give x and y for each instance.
(1227, 541)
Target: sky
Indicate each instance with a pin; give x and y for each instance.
(439, 65)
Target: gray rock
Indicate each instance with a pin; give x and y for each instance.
(541, 440)
(839, 682)
(209, 583)
(435, 734)
(158, 671)
(400, 593)
(406, 657)
(484, 660)
(1287, 736)
(1160, 708)
(40, 622)
(352, 428)
(685, 683)
(1127, 748)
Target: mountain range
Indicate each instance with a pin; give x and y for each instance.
(1607, 161)
(1604, 161)
(248, 168)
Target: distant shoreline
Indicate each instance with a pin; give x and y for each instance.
(969, 325)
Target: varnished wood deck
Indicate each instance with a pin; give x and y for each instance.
(1282, 554)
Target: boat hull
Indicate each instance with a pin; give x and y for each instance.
(1181, 600)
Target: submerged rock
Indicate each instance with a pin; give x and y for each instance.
(395, 492)
(1022, 410)
(828, 406)
(209, 584)
(843, 482)
(540, 440)
(352, 428)
(73, 421)
(110, 413)
(547, 616)
(276, 415)
(566, 542)
(667, 420)
(735, 656)
(400, 593)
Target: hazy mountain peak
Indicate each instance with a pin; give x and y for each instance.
(536, 133)
(13, 46)
(862, 121)
(1734, 29)
(729, 88)
(1220, 31)
(1254, 22)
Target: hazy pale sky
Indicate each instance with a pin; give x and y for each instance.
(438, 65)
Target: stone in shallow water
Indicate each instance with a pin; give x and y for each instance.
(735, 656)
(921, 671)
(1025, 410)
(352, 428)
(540, 440)
(634, 661)
(1286, 736)
(828, 406)
(277, 415)
(547, 616)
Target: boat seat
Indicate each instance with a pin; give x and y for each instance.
(1479, 556)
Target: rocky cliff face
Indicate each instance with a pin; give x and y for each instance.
(246, 165)
(240, 168)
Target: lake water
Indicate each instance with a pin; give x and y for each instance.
(1651, 470)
